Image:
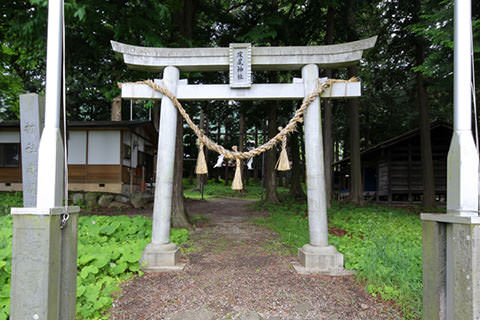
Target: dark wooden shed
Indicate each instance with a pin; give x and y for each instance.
(392, 170)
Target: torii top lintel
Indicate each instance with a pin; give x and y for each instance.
(263, 58)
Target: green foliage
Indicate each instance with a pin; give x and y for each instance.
(218, 189)
(9, 200)
(109, 249)
(5, 264)
(382, 244)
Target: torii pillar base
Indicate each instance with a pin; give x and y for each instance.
(320, 260)
(161, 258)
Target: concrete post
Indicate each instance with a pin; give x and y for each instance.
(318, 256)
(32, 108)
(44, 263)
(462, 162)
(434, 275)
(455, 292)
(451, 267)
(160, 254)
(44, 255)
(68, 266)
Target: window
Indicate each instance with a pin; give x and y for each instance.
(9, 155)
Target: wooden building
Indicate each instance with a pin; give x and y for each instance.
(106, 156)
(392, 170)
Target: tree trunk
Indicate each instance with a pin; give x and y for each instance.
(156, 114)
(179, 212)
(200, 178)
(207, 133)
(271, 158)
(296, 189)
(185, 21)
(218, 171)
(425, 140)
(256, 166)
(226, 145)
(241, 142)
(356, 193)
(328, 119)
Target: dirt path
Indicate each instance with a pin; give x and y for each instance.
(237, 270)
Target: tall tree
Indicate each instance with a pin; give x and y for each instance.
(270, 176)
(356, 192)
(296, 189)
(328, 118)
(185, 18)
(241, 148)
(424, 119)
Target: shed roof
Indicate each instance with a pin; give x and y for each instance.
(400, 138)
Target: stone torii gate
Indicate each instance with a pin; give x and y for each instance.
(240, 60)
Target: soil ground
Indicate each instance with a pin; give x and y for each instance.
(238, 270)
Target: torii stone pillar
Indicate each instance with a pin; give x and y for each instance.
(451, 241)
(317, 256)
(161, 254)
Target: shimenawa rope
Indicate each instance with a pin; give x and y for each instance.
(290, 127)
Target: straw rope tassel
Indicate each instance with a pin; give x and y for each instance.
(283, 164)
(280, 137)
(201, 167)
(237, 183)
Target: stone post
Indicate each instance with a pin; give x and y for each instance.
(451, 267)
(32, 108)
(116, 109)
(451, 258)
(44, 264)
(44, 249)
(317, 256)
(160, 254)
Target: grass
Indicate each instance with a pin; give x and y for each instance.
(384, 246)
(253, 190)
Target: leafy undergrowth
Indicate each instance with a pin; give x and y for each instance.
(9, 200)
(384, 246)
(253, 190)
(109, 249)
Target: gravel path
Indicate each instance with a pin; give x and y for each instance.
(237, 270)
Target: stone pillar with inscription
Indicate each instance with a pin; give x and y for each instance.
(32, 107)
(44, 242)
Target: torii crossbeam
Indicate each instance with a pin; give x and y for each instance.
(240, 60)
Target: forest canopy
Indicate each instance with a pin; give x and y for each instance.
(389, 103)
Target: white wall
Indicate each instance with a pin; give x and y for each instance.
(104, 147)
(77, 147)
(9, 137)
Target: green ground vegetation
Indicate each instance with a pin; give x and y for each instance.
(212, 189)
(382, 244)
(9, 200)
(109, 248)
